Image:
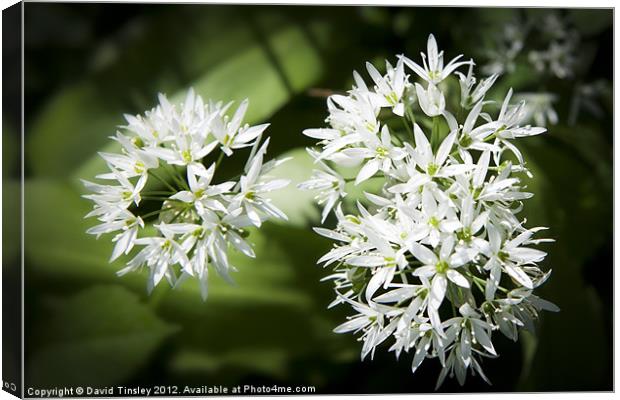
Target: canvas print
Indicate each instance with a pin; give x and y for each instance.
(298, 200)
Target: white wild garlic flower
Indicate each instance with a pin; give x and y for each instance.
(437, 261)
(165, 175)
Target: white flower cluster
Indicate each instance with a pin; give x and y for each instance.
(561, 54)
(554, 52)
(163, 174)
(437, 260)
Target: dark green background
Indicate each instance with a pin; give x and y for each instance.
(87, 64)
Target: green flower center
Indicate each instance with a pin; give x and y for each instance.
(382, 152)
(464, 234)
(465, 141)
(353, 218)
(137, 142)
(139, 167)
(442, 267)
(432, 169)
(500, 129)
(389, 261)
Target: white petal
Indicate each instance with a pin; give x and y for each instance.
(483, 339)
(438, 291)
(368, 170)
(457, 278)
(423, 254)
(444, 148)
(517, 274)
(352, 325)
(366, 261)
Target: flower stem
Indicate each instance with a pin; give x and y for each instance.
(483, 282)
(410, 115)
(158, 192)
(451, 289)
(435, 134)
(398, 140)
(151, 214)
(169, 186)
(409, 130)
(174, 174)
(159, 198)
(176, 216)
(349, 180)
(219, 160)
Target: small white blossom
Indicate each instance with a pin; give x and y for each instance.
(390, 88)
(196, 221)
(329, 182)
(431, 100)
(470, 97)
(434, 71)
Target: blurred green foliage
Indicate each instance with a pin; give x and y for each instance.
(102, 346)
(86, 326)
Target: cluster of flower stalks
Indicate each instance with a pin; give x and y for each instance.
(165, 174)
(435, 261)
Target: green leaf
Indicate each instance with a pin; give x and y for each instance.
(100, 336)
(72, 126)
(56, 243)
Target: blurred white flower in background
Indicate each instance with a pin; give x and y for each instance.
(507, 46)
(539, 108)
(438, 260)
(551, 45)
(164, 174)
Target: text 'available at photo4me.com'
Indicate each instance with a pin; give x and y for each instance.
(161, 390)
